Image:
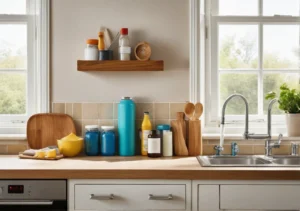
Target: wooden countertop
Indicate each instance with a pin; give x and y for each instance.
(11, 167)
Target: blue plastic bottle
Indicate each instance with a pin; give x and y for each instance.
(126, 127)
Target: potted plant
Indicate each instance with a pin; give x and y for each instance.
(289, 102)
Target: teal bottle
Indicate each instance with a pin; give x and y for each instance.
(126, 127)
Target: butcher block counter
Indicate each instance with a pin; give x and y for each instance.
(11, 167)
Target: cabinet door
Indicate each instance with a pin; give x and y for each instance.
(208, 197)
(260, 197)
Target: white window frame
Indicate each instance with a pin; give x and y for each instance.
(203, 33)
(37, 19)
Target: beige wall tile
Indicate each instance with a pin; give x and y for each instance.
(90, 111)
(208, 150)
(115, 116)
(69, 109)
(174, 108)
(239, 142)
(15, 149)
(245, 150)
(161, 110)
(58, 108)
(143, 107)
(106, 122)
(116, 124)
(78, 126)
(161, 122)
(282, 150)
(88, 122)
(77, 111)
(105, 110)
(3, 149)
(259, 150)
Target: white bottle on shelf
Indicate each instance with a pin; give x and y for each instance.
(124, 45)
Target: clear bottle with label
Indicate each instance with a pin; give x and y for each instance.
(146, 131)
(154, 145)
(124, 45)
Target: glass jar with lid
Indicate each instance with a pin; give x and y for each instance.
(108, 141)
(92, 140)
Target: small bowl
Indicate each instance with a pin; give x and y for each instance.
(70, 148)
(142, 51)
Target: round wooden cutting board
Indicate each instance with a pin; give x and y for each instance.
(43, 130)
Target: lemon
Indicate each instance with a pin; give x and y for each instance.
(51, 153)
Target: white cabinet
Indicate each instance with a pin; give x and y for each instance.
(246, 195)
(102, 195)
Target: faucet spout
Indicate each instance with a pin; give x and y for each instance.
(246, 113)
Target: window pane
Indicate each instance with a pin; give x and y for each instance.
(245, 84)
(238, 46)
(281, 46)
(238, 7)
(281, 7)
(12, 6)
(272, 82)
(13, 46)
(12, 93)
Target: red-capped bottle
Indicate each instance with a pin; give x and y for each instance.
(124, 45)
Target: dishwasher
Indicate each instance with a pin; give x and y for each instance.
(33, 195)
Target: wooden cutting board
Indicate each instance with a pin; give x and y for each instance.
(43, 130)
(178, 134)
(58, 157)
(195, 138)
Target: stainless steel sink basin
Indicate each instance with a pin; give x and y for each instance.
(286, 160)
(229, 161)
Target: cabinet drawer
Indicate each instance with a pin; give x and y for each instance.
(260, 197)
(130, 197)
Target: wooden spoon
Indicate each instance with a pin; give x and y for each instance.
(189, 109)
(198, 111)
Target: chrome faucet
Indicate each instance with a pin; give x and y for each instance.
(246, 134)
(269, 146)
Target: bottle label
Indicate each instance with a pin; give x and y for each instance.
(154, 145)
(146, 133)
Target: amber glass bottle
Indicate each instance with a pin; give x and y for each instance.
(154, 145)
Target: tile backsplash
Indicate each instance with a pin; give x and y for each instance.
(160, 113)
(107, 113)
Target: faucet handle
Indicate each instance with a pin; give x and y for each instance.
(294, 149)
(218, 149)
(234, 149)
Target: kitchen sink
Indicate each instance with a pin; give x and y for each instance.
(286, 160)
(249, 161)
(230, 161)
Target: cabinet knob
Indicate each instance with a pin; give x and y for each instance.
(102, 197)
(168, 197)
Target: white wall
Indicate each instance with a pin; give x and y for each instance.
(162, 23)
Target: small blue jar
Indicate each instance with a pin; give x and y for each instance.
(92, 140)
(108, 141)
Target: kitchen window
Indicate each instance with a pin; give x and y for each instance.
(23, 62)
(252, 47)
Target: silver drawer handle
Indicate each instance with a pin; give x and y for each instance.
(25, 202)
(99, 197)
(168, 197)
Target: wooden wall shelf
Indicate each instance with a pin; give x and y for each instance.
(116, 65)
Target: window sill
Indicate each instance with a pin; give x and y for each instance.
(216, 136)
(6, 137)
